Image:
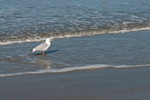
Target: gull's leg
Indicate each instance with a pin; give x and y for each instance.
(43, 53)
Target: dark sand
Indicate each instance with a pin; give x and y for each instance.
(106, 84)
(93, 84)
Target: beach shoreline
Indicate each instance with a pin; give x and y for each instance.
(106, 67)
(101, 50)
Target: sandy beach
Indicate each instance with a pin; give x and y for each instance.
(106, 84)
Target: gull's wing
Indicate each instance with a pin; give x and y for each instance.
(41, 47)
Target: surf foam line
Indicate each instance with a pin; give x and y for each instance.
(90, 33)
(72, 69)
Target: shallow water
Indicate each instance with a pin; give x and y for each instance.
(80, 53)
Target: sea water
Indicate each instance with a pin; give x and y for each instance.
(33, 20)
(129, 50)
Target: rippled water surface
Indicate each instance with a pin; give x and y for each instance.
(22, 20)
(129, 50)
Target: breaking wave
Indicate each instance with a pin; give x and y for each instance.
(71, 69)
(30, 38)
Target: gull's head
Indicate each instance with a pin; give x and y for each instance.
(49, 39)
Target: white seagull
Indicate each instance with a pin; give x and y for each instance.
(43, 46)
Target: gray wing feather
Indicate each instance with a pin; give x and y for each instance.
(41, 47)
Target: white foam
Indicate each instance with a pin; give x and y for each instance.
(20, 41)
(71, 69)
(75, 35)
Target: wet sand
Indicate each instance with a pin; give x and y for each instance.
(106, 84)
(102, 83)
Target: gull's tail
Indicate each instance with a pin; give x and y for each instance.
(33, 50)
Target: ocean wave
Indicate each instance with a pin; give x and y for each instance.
(71, 69)
(70, 35)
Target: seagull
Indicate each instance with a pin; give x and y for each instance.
(43, 46)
